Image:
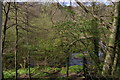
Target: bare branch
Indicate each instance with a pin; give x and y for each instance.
(93, 15)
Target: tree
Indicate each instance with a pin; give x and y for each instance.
(6, 9)
(27, 25)
(110, 55)
(6, 12)
(116, 62)
(95, 32)
(16, 41)
(1, 71)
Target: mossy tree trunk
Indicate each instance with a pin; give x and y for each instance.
(117, 43)
(110, 55)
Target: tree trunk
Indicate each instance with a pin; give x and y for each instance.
(95, 32)
(27, 25)
(5, 26)
(117, 43)
(16, 42)
(96, 36)
(118, 57)
(95, 39)
(67, 66)
(1, 71)
(85, 70)
(109, 59)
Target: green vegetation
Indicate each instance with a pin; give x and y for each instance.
(72, 69)
(40, 74)
(39, 40)
(9, 74)
(80, 55)
(44, 71)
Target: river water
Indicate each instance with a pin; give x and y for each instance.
(79, 61)
(75, 61)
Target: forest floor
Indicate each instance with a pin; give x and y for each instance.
(44, 72)
(49, 73)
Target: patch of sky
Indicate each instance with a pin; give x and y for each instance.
(87, 3)
(74, 4)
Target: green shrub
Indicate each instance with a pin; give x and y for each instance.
(76, 68)
(80, 55)
(33, 70)
(50, 69)
(40, 74)
(9, 74)
(72, 69)
(23, 71)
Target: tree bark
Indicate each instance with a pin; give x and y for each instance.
(109, 59)
(29, 73)
(117, 43)
(96, 36)
(1, 71)
(95, 33)
(5, 26)
(67, 66)
(118, 57)
(85, 70)
(16, 42)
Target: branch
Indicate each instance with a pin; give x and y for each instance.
(86, 10)
(79, 40)
(93, 15)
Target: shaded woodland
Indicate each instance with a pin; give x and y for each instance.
(53, 41)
